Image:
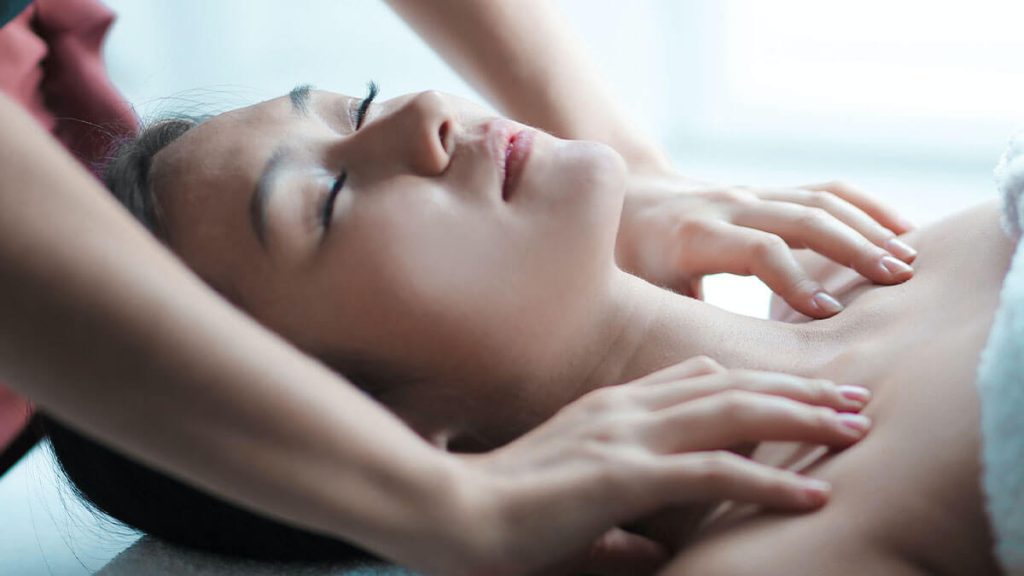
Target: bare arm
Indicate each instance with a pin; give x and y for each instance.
(103, 328)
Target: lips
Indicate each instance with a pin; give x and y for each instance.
(509, 146)
(517, 152)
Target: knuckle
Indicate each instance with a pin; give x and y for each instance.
(691, 229)
(733, 196)
(774, 483)
(824, 389)
(748, 381)
(615, 465)
(835, 185)
(805, 285)
(823, 199)
(734, 404)
(714, 467)
(706, 364)
(767, 246)
(822, 417)
(813, 218)
(817, 389)
(870, 249)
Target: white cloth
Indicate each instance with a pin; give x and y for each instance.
(1001, 383)
(1010, 181)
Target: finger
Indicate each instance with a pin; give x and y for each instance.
(722, 475)
(846, 213)
(687, 285)
(694, 288)
(621, 553)
(689, 368)
(822, 232)
(885, 215)
(733, 417)
(750, 252)
(812, 391)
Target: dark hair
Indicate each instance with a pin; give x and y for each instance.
(139, 496)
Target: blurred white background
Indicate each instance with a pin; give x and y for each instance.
(911, 100)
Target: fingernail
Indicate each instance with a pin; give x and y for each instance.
(855, 393)
(815, 492)
(826, 303)
(900, 249)
(895, 268)
(857, 422)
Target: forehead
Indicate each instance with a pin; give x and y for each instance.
(226, 143)
(203, 182)
(238, 143)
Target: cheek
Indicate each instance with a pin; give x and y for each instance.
(581, 185)
(423, 276)
(573, 207)
(461, 286)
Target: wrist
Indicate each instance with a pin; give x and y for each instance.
(473, 518)
(643, 157)
(453, 526)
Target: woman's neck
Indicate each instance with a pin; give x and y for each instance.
(654, 328)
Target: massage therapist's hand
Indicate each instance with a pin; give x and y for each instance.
(621, 453)
(674, 231)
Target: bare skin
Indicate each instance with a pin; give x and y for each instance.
(619, 326)
(459, 297)
(914, 482)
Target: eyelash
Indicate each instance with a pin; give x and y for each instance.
(339, 182)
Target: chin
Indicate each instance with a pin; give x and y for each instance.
(580, 170)
(600, 178)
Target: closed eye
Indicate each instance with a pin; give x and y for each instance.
(339, 182)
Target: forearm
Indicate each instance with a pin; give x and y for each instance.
(523, 57)
(104, 329)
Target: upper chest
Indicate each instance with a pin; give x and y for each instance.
(915, 479)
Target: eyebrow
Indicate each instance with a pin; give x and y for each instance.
(300, 100)
(299, 97)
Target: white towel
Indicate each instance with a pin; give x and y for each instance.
(1010, 181)
(1001, 383)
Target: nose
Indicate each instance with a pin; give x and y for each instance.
(419, 134)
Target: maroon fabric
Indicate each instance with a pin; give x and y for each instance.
(14, 412)
(51, 63)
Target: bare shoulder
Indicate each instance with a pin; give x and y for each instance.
(944, 241)
(794, 546)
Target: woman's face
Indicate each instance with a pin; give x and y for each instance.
(460, 248)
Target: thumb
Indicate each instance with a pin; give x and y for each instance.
(692, 286)
(621, 553)
(697, 287)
